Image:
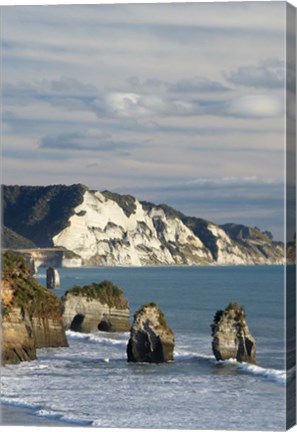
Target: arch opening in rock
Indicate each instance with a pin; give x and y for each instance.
(104, 326)
(76, 324)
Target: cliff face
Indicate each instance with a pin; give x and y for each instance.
(17, 340)
(151, 338)
(96, 307)
(31, 316)
(231, 336)
(104, 228)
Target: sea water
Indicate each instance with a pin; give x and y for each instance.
(90, 383)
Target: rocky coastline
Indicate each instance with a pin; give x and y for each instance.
(31, 315)
(108, 229)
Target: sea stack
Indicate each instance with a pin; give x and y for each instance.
(31, 315)
(52, 278)
(231, 336)
(151, 338)
(96, 307)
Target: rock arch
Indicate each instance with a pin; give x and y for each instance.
(76, 324)
(104, 326)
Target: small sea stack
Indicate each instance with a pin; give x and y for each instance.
(52, 278)
(151, 338)
(96, 307)
(231, 336)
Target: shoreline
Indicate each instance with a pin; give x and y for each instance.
(11, 415)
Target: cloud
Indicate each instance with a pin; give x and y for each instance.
(198, 84)
(88, 141)
(270, 74)
(254, 106)
(150, 99)
(55, 92)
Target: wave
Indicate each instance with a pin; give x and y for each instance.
(19, 403)
(275, 375)
(96, 338)
(189, 357)
(63, 418)
(40, 411)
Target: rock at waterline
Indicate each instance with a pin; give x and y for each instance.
(31, 315)
(52, 278)
(151, 338)
(231, 335)
(96, 307)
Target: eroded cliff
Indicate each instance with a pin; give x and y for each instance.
(105, 228)
(96, 307)
(31, 316)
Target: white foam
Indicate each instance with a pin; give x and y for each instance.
(96, 338)
(188, 356)
(68, 419)
(40, 276)
(19, 403)
(275, 375)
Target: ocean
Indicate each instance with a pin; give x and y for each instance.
(90, 383)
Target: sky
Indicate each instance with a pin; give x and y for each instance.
(180, 104)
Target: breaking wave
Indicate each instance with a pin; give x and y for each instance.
(98, 339)
(275, 375)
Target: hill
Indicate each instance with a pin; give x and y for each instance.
(105, 228)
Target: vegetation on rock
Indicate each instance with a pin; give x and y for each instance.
(106, 292)
(126, 202)
(31, 315)
(45, 210)
(12, 240)
(28, 294)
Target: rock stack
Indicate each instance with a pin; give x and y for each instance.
(231, 336)
(96, 307)
(151, 339)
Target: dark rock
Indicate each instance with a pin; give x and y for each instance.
(52, 278)
(151, 339)
(231, 336)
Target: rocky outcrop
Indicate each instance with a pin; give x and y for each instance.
(96, 307)
(17, 336)
(291, 251)
(52, 278)
(231, 336)
(31, 316)
(105, 228)
(151, 338)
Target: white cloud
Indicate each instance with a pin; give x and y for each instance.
(255, 106)
(67, 85)
(270, 73)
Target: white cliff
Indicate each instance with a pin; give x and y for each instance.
(106, 228)
(100, 232)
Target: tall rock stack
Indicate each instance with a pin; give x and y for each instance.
(151, 338)
(231, 336)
